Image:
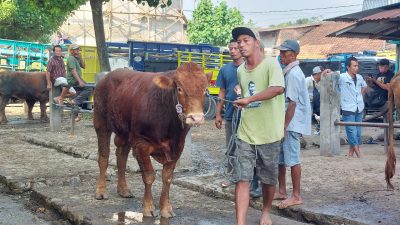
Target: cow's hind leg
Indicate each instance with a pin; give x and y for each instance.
(123, 148)
(43, 115)
(167, 175)
(148, 176)
(103, 140)
(3, 104)
(30, 104)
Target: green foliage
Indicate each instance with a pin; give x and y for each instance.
(213, 24)
(30, 20)
(36, 20)
(301, 21)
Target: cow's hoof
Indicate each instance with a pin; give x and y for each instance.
(167, 213)
(44, 120)
(30, 118)
(149, 212)
(101, 196)
(126, 193)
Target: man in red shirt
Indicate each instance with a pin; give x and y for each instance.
(56, 75)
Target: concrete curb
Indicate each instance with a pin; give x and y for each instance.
(69, 150)
(62, 210)
(296, 213)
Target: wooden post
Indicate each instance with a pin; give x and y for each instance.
(56, 113)
(330, 112)
(185, 161)
(72, 116)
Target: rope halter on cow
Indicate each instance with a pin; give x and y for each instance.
(179, 108)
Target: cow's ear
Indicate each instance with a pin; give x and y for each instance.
(209, 76)
(163, 82)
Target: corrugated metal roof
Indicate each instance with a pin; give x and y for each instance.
(362, 14)
(370, 4)
(385, 15)
(371, 30)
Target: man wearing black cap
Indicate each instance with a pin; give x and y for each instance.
(261, 125)
(297, 122)
(379, 96)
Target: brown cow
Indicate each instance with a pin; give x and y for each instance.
(393, 100)
(152, 113)
(31, 87)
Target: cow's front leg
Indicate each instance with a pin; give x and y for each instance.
(30, 103)
(103, 139)
(122, 153)
(148, 176)
(3, 104)
(167, 175)
(43, 115)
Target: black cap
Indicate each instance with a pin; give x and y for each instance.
(236, 32)
(384, 62)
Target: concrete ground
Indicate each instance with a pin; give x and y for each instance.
(14, 212)
(61, 171)
(62, 178)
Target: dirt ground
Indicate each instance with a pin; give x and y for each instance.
(349, 188)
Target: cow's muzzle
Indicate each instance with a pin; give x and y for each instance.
(195, 119)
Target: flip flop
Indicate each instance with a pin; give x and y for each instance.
(226, 184)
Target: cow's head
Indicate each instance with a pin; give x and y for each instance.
(191, 84)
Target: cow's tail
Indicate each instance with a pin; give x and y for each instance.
(390, 167)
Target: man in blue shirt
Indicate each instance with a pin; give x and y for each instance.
(352, 88)
(226, 81)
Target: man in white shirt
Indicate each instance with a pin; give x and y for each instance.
(313, 87)
(352, 88)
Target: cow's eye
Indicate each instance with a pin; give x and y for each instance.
(180, 90)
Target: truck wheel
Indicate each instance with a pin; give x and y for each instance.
(210, 107)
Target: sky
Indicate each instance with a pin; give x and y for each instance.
(259, 11)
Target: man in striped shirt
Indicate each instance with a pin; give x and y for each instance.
(56, 75)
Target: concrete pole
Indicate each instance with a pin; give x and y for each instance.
(185, 161)
(56, 112)
(330, 112)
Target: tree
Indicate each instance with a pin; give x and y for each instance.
(97, 13)
(64, 7)
(27, 20)
(213, 24)
(301, 21)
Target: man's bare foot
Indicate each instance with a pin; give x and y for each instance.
(279, 196)
(290, 202)
(265, 218)
(357, 151)
(351, 152)
(58, 100)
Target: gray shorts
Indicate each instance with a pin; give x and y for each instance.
(263, 157)
(290, 150)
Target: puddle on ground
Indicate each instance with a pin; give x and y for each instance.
(130, 217)
(21, 121)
